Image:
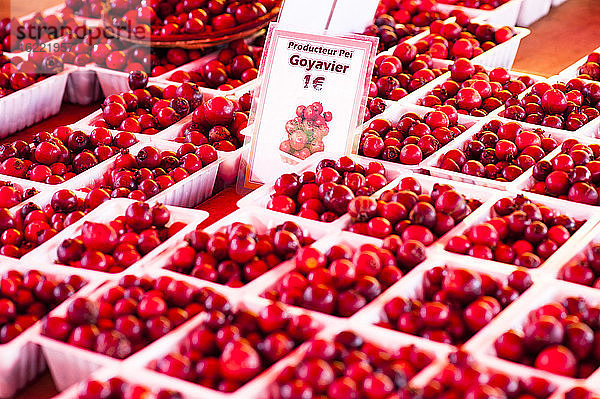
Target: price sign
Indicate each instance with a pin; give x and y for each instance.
(310, 100)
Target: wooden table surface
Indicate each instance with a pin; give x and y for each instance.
(566, 34)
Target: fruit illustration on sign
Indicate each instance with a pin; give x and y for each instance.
(306, 131)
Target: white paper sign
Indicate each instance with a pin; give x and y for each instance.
(352, 16)
(312, 92)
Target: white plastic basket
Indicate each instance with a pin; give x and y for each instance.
(187, 193)
(532, 10)
(21, 361)
(503, 55)
(432, 163)
(69, 364)
(261, 219)
(411, 286)
(506, 14)
(514, 317)
(525, 182)
(353, 241)
(45, 254)
(69, 184)
(481, 193)
(590, 129)
(260, 197)
(393, 114)
(32, 104)
(581, 212)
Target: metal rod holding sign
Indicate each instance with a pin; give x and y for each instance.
(313, 89)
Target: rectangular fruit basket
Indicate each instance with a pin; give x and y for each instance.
(590, 129)
(542, 293)
(411, 286)
(32, 104)
(67, 184)
(21, 360)
(470, 192)
(260, 197)
(188, 192)
(45, 254)
(432, 163)
(393, 114)
(581, 212)
(255, 388)
(415, 96)
(69, 364)
(525, 182)
(271, 281)
(261, 219)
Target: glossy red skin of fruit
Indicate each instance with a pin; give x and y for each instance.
(453, 300)
(159, 306)
(323, 282)
(238, 253)
(517, 233)
(558, 337)
(237, 359)
(321, 363)
(27, 297)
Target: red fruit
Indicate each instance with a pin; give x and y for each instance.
(239, 361)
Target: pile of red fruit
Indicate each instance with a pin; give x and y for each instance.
(591, 68)
(233, 66)
(561, 337)
(116, 388)
(499, 151)
(475, 91)
(31, 226)
(147, 109)
(580, 393)
(238, 253)
(150, 171)
(183, 19)
(462, 39)
(112, 247)
(481, 4)
(129, 315)
(412, 138)
(325, 195)
(342, 281)
(16, 74)
(53, 158)
(305, 132)
(394, 76)
(348, 367)
(396, 21)
(463, 377)
(561, 105)
(87, 9)
(232, 347)
(407, 212)
(454, 304)
(519, 232)
(573, 175)
(13, 194)
(17, 35)
(584, 268)
(26, 297)
(218, 121)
